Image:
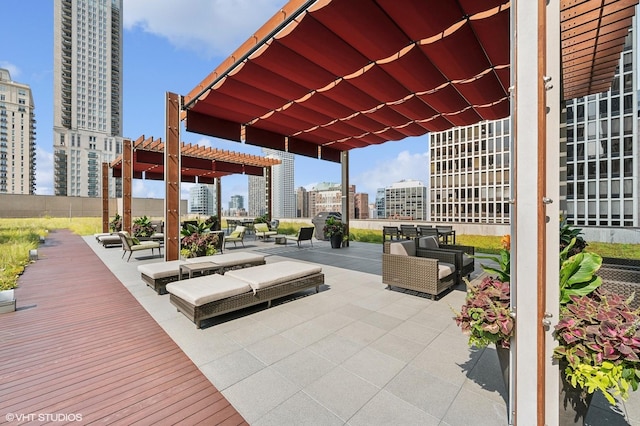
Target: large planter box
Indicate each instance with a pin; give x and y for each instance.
(7, 301)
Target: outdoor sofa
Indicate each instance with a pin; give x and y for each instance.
(212, 295)
(411, 268)
(158, 275)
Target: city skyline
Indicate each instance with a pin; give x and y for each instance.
(159, 57)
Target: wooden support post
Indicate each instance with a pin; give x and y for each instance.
(105, 197)
(127, 178)
(172, 177)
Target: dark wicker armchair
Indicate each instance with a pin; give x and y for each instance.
(464, 261)
(404, 266)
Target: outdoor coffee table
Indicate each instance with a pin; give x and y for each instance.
(201, 267)
(280, 239)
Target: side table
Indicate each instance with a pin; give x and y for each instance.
(201, 267)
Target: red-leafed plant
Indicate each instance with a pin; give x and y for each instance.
(599, 339)
(486, 316)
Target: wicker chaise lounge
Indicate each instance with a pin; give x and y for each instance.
(212, 295)
(404, 266)
(158, 275)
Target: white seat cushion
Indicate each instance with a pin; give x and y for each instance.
(209, 288)
(445, 269)
(161, 269)
(229, 259)
(273, 273)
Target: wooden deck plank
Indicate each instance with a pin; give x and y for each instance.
(80, 343)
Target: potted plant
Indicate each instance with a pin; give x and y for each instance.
(598, 337)
(116, 223)
(142, 227)
(198, 240)
(598, 349)
(334, 230)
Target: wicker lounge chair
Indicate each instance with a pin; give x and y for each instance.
(212, 295)
(406, 267)
(129, 244)
(158, 275)
(108, 239)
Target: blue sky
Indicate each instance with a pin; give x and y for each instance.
(170, 46)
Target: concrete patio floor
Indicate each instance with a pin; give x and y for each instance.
(356, 353)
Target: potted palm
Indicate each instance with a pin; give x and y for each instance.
(335, 230)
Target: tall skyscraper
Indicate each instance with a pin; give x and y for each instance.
(469, 176)
(257, 196)
(17, 137)
(602, 150)
(202, 199)
(282, 184)
(236, 204)
(87, 88)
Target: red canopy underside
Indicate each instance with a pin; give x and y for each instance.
(348, 74)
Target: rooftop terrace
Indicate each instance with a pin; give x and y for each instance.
(90, 338)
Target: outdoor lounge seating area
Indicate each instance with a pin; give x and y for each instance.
(406, 266)
(158, 275)
(209, 296)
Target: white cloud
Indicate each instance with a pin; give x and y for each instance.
(210, 27)
(384, 173)
(44, 171)
(13, 69)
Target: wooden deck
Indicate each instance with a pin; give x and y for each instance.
(80, 344)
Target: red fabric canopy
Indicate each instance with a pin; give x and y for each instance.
(340, 74)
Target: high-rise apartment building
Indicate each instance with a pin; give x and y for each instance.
(87, 88)
(302, 202)
(282, 183)
(327, 197)
(283, 197)
(17, 137)
(602, 150)
(469, 173)
(406, 199)
(257, 203)
(361, 205)
(380, 208)
(202, 199)
(236, 204)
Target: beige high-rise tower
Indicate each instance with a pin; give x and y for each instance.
(17, 137)
(87, 120)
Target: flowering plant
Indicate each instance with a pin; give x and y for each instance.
(196, 245)
(599, 341)
(334, 226)
(486, 316)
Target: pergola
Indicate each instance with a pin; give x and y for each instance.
(323, 77)
(145, 159)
